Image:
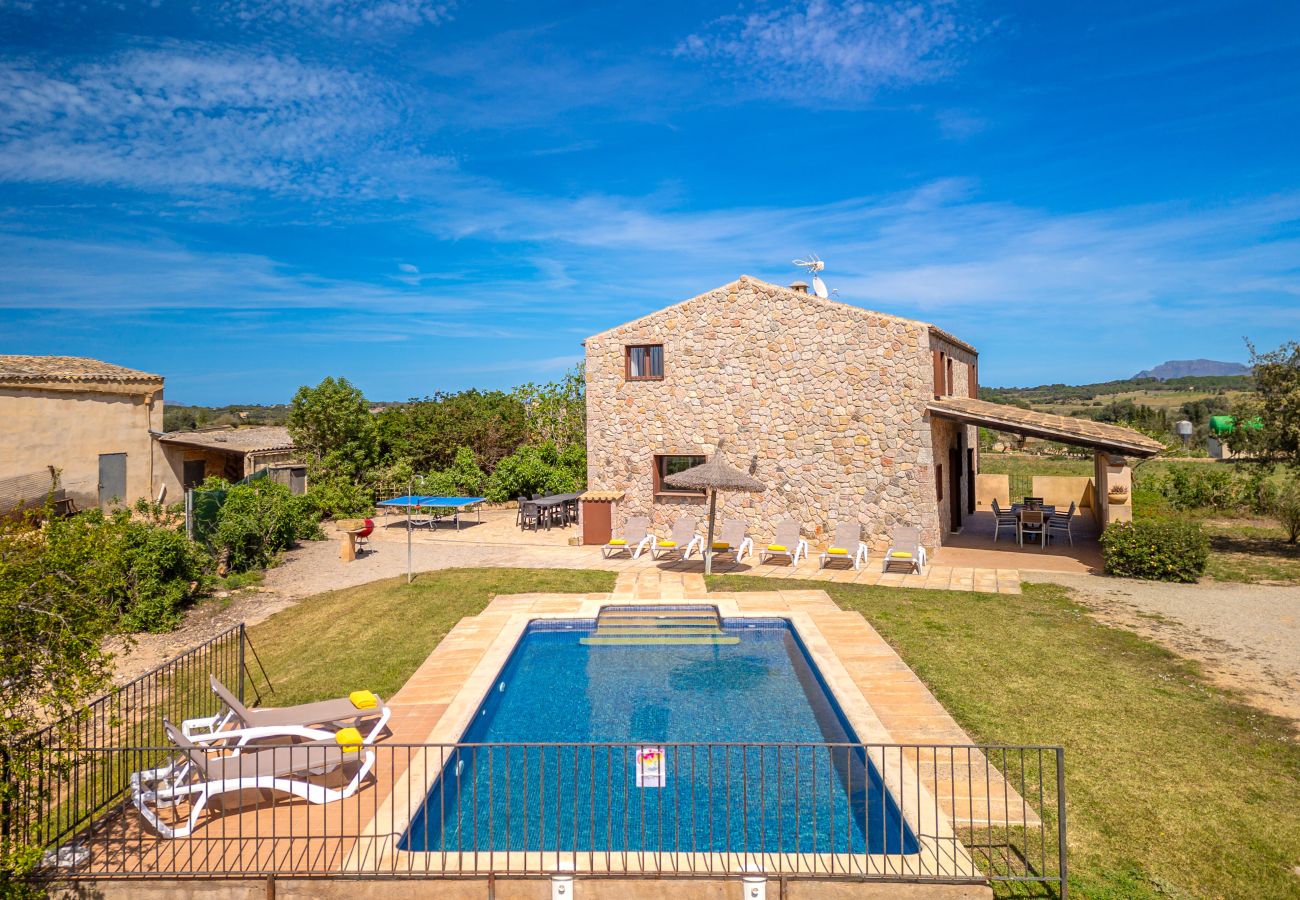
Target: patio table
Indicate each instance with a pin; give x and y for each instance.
(556, 500)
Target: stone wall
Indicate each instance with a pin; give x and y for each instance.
(828, 398)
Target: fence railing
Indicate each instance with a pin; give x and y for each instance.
(858, 811)
(55, 782)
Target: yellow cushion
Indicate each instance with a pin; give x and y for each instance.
(721, 545)
(667, 543)
(618, 542)
(837, 551)
(349, 739)
(779, 548)
(363, 699)
(901, 554)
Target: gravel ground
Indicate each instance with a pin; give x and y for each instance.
(1246, 636)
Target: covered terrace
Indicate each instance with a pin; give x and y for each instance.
(1101, 500)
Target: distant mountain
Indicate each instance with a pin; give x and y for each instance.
(1184, 368)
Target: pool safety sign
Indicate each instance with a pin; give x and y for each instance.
(650, 768)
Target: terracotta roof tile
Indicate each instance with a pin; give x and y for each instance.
(30, 369)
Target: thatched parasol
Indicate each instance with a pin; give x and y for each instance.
(713, 475)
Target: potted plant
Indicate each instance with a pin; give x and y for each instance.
(1118, 494)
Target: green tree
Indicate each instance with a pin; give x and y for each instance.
(332, 427)
(1274, 405)
(557, 411)
(428, 433)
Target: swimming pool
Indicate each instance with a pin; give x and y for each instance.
(753, 753)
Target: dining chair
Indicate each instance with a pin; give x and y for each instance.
(1062, 522)
(1032, 521)
(530, 515)
(1004, 518)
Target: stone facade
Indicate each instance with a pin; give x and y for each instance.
(829, 399)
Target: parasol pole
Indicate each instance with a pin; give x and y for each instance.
(708, 547)
(410, 492)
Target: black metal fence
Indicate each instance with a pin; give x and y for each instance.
(57, 781)
(932, 813)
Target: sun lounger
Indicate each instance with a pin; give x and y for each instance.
(199, 773)
(787, 544)
(906, 549)
(636, 537)
(256, 724)
(846, 545)
(733, 541)
(683, 540)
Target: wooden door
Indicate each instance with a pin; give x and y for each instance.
(954, 486)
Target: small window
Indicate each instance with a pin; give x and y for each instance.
(938, 483)
(670, 464)
(949, 377)
(645, 362)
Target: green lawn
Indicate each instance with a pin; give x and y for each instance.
(377, 634)
(1174, 789)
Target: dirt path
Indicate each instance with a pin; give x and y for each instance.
(1246, 636)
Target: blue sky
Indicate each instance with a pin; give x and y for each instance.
(422, 195)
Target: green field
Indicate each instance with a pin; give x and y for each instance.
(1174, 788)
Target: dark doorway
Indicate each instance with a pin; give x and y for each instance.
(954, 486)
(970, 481)
(193, 471)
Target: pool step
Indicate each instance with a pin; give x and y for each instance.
(641, 625)
(598, 640)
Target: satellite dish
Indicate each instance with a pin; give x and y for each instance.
(813, 265)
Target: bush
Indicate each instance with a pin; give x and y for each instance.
(162, 570)
(463, 478)
(259, 520)
(535, 470)
(1161, 550)
(337, 497)
(1283, 501)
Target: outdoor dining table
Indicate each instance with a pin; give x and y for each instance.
(558, 500)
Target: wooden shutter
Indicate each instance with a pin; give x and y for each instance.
(940, 373)
(973, 382)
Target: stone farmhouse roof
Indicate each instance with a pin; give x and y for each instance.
(1067, 429)
(248, 439)
(35, 370)
(804, 297)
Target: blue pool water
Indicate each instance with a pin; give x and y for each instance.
(555, 690)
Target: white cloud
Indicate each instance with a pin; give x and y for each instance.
(192, 116)
(344, 15)
(408, 268)
(817, 51)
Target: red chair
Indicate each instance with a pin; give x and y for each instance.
(361, 537)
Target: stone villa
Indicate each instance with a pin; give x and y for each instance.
(848, 414)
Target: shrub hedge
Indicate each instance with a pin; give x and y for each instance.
(1159, 550)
